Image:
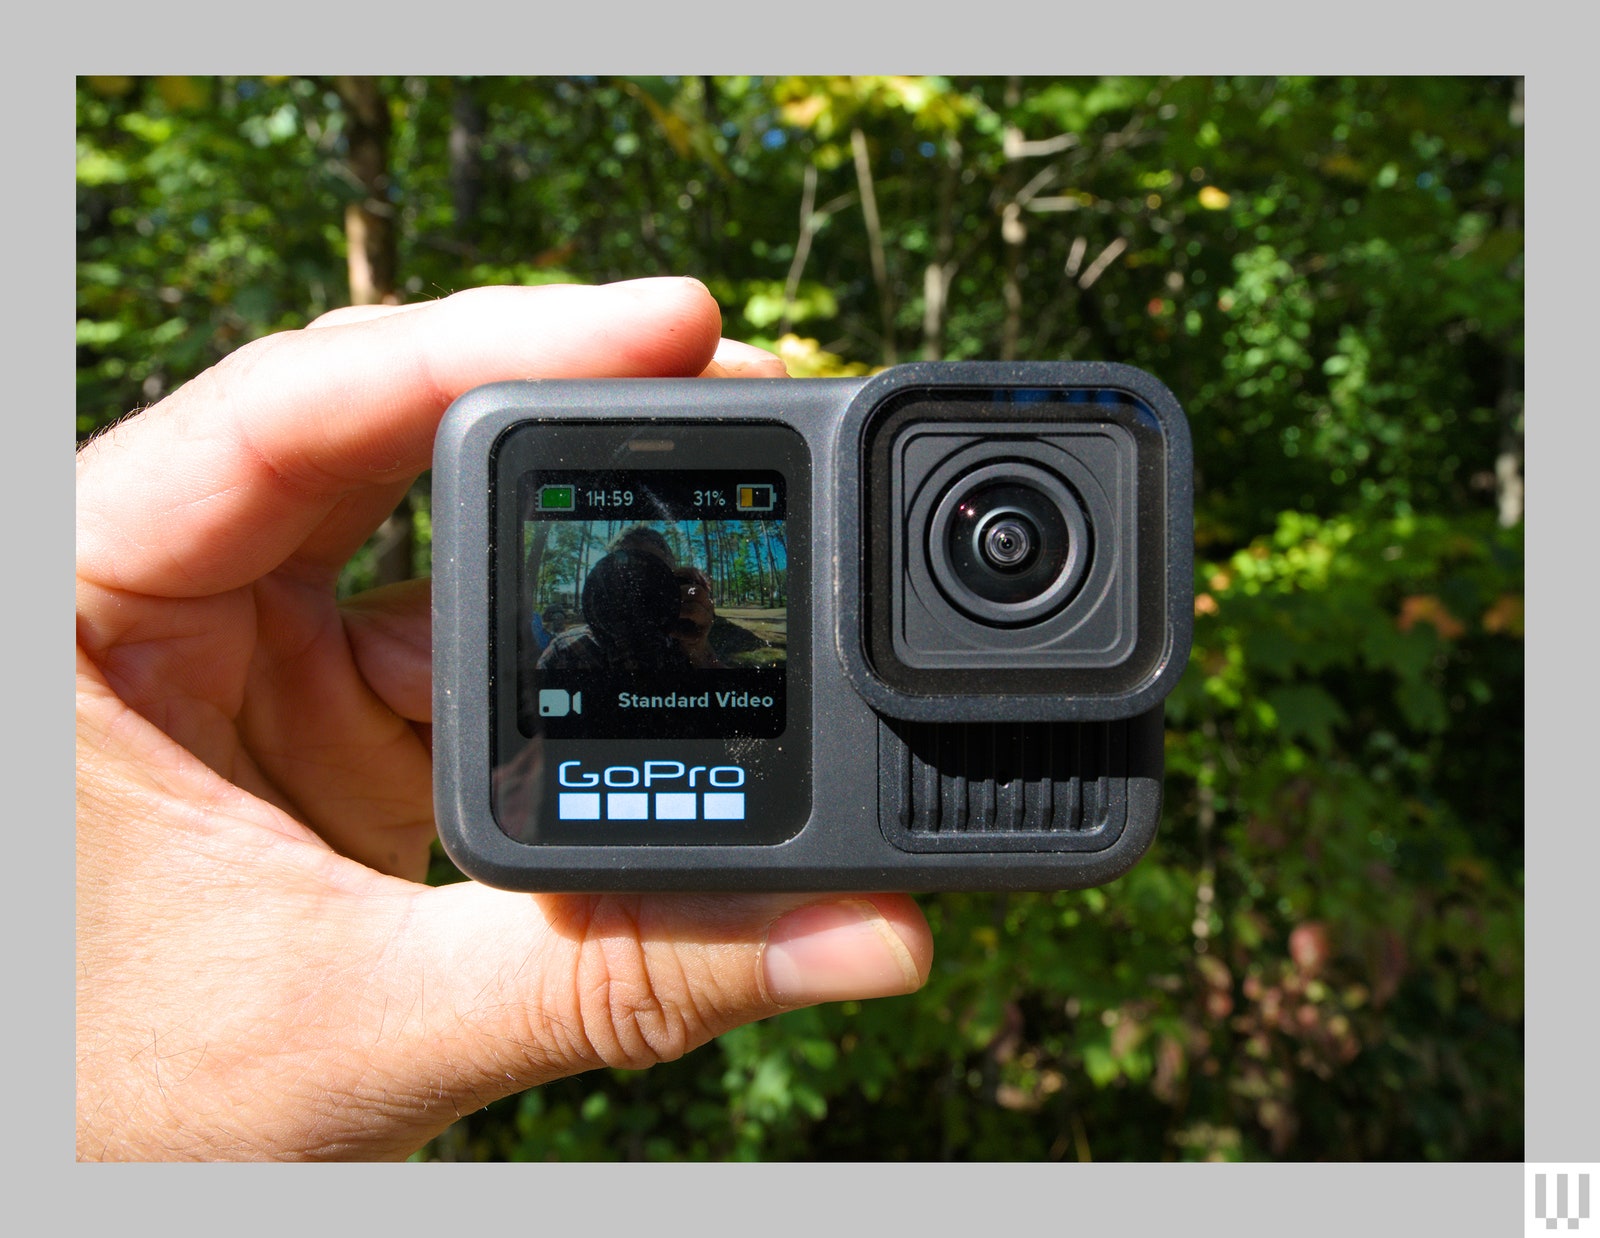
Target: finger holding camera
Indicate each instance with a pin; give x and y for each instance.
(260, 973)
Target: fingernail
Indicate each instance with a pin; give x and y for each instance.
(736, 359)
(736, 354)
(830, 952)
(652, 284)
(718, 368)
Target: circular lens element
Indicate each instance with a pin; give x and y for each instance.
(1008, 544)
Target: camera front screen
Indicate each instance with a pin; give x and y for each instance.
(653, 602)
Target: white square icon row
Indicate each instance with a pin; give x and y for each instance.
(635, 806)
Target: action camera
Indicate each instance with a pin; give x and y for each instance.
(911, 632)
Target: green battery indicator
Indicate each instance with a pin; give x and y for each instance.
(556, 499)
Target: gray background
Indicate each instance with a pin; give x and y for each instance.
(830, 35)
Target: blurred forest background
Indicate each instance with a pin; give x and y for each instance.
(1321, 957)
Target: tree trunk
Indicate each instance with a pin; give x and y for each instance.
(1509, 486)
(939, 273)
(373, 260)
(467, 124)
(369, 221)
(802, 246)
(1012, 231)
(880, 265)
(763, 574)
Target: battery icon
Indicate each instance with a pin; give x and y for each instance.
(556, 499)
(757, 498)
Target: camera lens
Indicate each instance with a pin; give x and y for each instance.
(1008, 543)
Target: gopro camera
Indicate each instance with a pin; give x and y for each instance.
(910, 632)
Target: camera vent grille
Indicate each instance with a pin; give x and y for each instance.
(1020, 786)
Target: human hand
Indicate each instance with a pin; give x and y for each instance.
(259, 973)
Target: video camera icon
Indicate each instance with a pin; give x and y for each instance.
(558, 702)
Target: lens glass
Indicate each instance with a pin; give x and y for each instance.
(1007, 542)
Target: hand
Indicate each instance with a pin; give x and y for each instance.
(259, 973)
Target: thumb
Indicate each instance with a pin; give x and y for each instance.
(537, 987)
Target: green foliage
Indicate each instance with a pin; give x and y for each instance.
(1322, 956)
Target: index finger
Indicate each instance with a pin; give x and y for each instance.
(231, 475)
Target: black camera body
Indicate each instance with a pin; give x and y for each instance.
(909, 632)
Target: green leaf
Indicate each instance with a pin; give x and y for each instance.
(1307, 712)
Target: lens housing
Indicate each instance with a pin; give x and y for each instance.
(1117, 445)
(1008, 543)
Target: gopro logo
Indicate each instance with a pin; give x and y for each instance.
(558, 703)
(629, 793)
